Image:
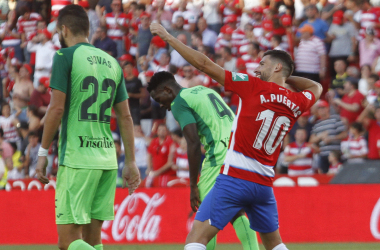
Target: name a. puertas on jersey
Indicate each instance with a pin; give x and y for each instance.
(98, 60)
(284, 100)
(95, 142)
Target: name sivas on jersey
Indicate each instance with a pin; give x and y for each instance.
(281, 99)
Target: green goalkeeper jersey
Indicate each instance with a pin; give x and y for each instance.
(93, 82)
(205, 108)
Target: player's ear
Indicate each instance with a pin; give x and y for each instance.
(278, 67)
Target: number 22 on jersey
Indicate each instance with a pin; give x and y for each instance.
(280, 125)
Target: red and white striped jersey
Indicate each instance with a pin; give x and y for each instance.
(369, 18)
(354, 147)
(221, 43)
(238, 39)
(251, 64)
(182, 162)
(113, 30)
(302, 166)
(8, 40)
(266, 113)
(59, 4)
(28, 26)
(333, 169)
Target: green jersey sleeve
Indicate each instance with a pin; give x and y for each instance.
(182, 112)
(61, 70)
(121, 91)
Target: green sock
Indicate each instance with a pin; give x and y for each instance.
(212, 244)
(99, 247)
(80, 245)
(245, 234)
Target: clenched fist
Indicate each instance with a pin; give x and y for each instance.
(159, 30)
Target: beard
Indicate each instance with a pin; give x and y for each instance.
(62, 41)
(263, 76)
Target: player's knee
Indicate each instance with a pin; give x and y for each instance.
(63, 245)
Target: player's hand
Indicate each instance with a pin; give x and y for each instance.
(41, 169)
(195, 201)
(159, 30)
(131, 176)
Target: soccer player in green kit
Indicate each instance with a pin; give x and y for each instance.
(86, 83)
(204, 119)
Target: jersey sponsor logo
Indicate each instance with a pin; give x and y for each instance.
(284, 100)
(239, 77)
(59, 53)
(95, 142)
(307, 94)
(98, 60)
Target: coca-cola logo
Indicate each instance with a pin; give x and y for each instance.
(131, 225)
(374, 222)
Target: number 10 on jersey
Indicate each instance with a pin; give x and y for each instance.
(280, 125)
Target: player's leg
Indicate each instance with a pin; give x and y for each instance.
(272, 241)
(205, 184)
(246, 235)
(102, 208)
(92, 233)
(70, 238)
(201, 233)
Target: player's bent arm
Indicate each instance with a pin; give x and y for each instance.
(314, 139)
(124, 120)
(53, 117)
(291, 158)
(340, 136)
(301, 83)
(190, 133)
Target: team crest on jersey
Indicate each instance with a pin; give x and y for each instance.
(239, 77)
(307, 94)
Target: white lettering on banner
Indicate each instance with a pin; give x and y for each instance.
(144, 227)
(374, 222)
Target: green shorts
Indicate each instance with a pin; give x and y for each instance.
(84, 194)
(207, 180)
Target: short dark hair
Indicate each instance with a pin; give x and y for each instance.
(75, 18)
(256, 46)
(160, 78)
(284, 58)
(33, 109)
(24, 10)
(374, 77)
(358, 126)
(32, 134)
(227, 50)
(277, 38)
(177, 132)
(353, 81)
(141, 7)
(337, 154)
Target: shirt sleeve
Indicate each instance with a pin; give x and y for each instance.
(121, 91)
(306, 100)
(241, 84)
(61, 71)
(182, 112)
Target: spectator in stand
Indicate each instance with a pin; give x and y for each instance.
(337, 83)
(252, 57)
(369, 48)
(102, 41)
(10, 37)
(178, 28)
(144, 36)
(27, 25)
(156, 49)
(353, 71)
(23, 132)
(276, 41)
(17, 172)
(310, 59)
(53, 22)
(373, 128)
(212, 15)
(92, 17)
(373, 95)
(158, 157)
(229, 60)
(163, 63)
(135, 92)
(354, 147)
(320, 27)
(364, 77)
(238, 34)
(116, 23)
(196, 40)
(351, 104)
(103, 6)
(41, 96)
(225, 40)
(175, 58)
(181, 165)
(8, 124)
(334, 160)
(31, 155)
(45, 50)
(190, 18)
(7, 150)
(329, 9)
(327, 133)
(22, 90)
(301, 123)
(162, 16)
(4, 9)
(342, 36)
(190, 79)
(209, 36)
(34, 119)
(299, 155)
(256, 21)
(140, 151)
(354, 6)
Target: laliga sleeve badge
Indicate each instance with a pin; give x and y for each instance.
(307, 94)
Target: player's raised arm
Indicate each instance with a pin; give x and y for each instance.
(190, 132)
(195, 58)
(131, 174)
(301, 83)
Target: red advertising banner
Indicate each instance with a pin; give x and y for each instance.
(327, 213)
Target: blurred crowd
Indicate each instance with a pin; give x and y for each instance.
(334, 42)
